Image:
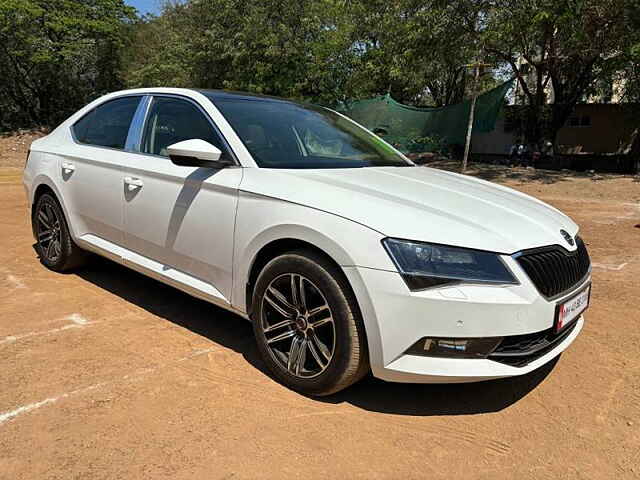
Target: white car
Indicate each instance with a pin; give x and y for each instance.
(346, 257)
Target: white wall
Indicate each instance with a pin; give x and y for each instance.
(496, 141)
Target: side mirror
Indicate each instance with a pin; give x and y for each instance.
(196, 153)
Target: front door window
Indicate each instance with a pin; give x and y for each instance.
(172, 120)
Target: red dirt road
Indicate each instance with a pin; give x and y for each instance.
(107, 374)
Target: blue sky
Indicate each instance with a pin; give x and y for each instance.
(145, 6)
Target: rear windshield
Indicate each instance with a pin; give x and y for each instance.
(282, 134)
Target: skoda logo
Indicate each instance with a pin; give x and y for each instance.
(567, 237)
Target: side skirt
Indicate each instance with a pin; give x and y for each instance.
(163, 273)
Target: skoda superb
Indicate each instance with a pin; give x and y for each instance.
(345, 256)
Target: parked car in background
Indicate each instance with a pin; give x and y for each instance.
(345, 256)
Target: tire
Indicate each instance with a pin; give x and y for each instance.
(313, 342)
(55, 247)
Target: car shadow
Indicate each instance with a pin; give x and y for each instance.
(202, 318)
(191, 187)
(440, 399)
(231, 331)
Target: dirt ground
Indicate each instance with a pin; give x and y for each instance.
(107, 374)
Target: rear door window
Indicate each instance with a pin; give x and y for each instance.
(108, 124)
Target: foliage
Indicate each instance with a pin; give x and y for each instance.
(433, 143)
(325, 51)
(158, 55)
(291, 49)
(567, 45)
(415, 50)
(57, 57)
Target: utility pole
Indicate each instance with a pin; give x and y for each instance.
(474, 93)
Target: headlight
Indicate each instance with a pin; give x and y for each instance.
(424, 265)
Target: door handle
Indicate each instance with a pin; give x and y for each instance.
(68, 167)
(133, 183)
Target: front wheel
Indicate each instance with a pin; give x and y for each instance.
(307, 324)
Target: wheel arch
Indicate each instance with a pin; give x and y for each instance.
(41, 190)
(283, 245)
(43, 184)
(272, 243)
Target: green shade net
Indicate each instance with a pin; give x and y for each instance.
(408, 127)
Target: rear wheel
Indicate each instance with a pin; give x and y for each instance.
(56, 248)
(307, 324)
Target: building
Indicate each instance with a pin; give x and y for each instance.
(594, 128)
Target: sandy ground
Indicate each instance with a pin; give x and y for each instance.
(107, 374)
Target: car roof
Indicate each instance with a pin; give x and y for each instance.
(212, 95)
(230, 94)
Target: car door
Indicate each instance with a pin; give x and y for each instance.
(91, 173)
(179, 221)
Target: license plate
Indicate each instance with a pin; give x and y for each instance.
(569, 310)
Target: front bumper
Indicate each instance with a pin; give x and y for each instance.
(415, 369)
(395, 318)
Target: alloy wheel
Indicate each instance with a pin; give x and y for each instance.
(298, 325)
(48, 232)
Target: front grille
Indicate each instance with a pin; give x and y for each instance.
(553, 270)
(520, 350)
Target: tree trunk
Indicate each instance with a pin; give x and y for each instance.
(560, 114)
(533, 131)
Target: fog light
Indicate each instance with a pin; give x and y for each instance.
(454, 347)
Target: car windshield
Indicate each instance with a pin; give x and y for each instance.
(281, 134)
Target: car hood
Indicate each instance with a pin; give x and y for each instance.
(423, 204)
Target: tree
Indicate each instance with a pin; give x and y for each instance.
(414, 49)
(568, 45)
(160, 54)
(57, 55)
(277, 47)
(323, 51)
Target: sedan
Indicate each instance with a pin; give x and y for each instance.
(345, 256)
